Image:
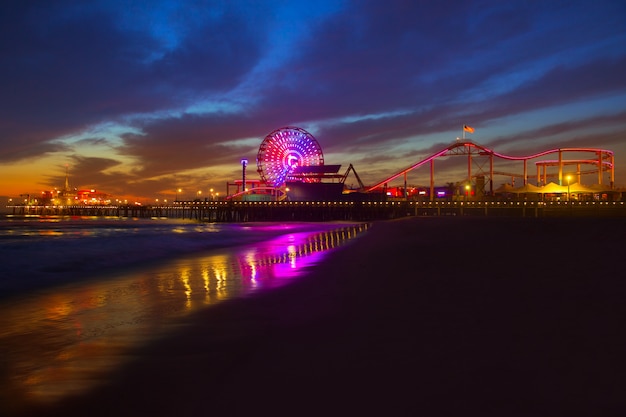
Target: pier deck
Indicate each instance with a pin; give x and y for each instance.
(254, 211)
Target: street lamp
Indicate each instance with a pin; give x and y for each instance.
(244, 164)
(467, 191)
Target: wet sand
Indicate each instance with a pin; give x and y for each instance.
(420, 316)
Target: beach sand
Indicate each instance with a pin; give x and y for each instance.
(421, 316)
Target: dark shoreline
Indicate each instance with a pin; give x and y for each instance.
(421, 316)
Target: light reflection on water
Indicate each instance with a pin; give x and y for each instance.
(64, 340)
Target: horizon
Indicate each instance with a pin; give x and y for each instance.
(216, 194)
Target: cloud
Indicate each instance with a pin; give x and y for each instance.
(20, 151)
(85, 172)
(71, 70)
(193, 87)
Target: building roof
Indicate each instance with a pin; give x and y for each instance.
(316, 169)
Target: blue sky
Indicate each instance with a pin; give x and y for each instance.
(140, 98)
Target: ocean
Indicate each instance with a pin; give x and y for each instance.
(78, 294)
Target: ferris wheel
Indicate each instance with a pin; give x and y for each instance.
(285, 149)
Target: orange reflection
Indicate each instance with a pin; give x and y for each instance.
(65, 340)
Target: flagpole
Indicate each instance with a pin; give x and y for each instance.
(463, 129)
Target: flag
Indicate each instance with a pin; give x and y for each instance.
(467, 128)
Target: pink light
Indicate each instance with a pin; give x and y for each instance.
(604, 154)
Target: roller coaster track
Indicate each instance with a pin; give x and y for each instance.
(603, 162)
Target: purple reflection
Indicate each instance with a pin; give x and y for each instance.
(276, 262)
(64, 340)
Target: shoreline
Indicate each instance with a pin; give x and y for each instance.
(435, 316)
(65, 260)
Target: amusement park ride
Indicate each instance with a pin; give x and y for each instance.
(290, 164)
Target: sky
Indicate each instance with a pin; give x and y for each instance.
(138, 99)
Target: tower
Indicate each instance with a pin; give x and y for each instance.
(67, 179)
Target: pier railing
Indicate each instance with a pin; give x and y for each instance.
(251, 211)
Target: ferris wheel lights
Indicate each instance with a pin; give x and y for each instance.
(285, 149)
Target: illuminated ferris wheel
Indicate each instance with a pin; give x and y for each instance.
(285, 149)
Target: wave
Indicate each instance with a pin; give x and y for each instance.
(38, 251)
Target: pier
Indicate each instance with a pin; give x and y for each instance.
(281, 211)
